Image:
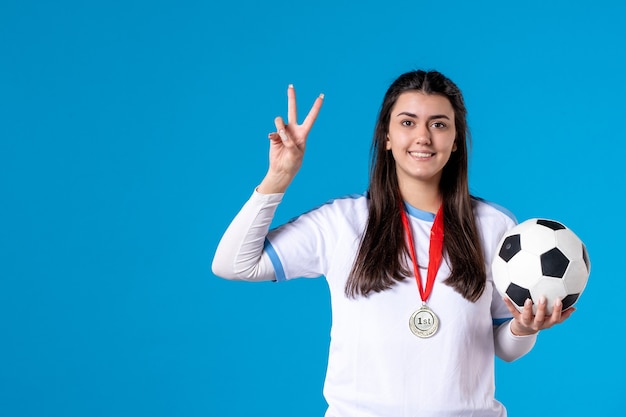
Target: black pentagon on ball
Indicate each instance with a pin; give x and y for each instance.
(510, 247)
(554, 263)
(517, 294)
(586, 258)
(569, 300)
(550, 224)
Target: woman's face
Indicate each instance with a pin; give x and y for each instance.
(421, 137)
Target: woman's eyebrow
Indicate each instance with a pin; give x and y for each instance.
(434, 116)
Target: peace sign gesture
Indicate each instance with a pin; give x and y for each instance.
(287, 145)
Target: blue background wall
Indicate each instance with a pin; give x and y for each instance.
(132, 131)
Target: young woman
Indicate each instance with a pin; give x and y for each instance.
(416, 319)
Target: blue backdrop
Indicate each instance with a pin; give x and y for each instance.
(132, 131)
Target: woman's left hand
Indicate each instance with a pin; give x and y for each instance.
(526, 323)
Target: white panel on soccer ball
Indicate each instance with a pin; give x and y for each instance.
(538, 239)
(500, 273)
(569, 244)
(523, 226)
(551, 288)
(524, 269)
(576, 276)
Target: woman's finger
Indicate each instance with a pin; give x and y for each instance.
(511, 307)
(281, 129)
(557, 310)
(555, 317)
(527, 316)
(279, 123)
(274, 137)
(283, 135)
(315, 109)
(292, 112)
(540, 315)
(566, 313)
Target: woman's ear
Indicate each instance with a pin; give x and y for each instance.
(388, 143)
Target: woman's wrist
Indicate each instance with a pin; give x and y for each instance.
(518, 330)
(274, 183)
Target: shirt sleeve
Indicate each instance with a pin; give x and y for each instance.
(240, 254)
(510, 347)
(302, 247)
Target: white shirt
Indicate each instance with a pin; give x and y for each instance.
(376, 366)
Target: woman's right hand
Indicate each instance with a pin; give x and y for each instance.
(287, 145)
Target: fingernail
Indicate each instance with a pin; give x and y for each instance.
(322, 96)
(290, 85)
(558, 303)
(528, 302)
(542, 299)
(282, 135)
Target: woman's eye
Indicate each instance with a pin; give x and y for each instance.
(406, 123)
(439, 125)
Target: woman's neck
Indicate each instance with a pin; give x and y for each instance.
(426, 198)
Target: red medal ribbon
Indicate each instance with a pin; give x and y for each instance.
(435, 251)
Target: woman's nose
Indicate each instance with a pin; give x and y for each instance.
(423, 136)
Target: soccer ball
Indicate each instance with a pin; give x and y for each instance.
(540, 257)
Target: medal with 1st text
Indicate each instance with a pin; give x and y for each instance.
(424, 322)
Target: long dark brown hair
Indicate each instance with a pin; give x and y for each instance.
(381, 259)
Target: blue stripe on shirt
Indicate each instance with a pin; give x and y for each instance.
(278, 266)
(497, 322)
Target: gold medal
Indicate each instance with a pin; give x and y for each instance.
(424, 322)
